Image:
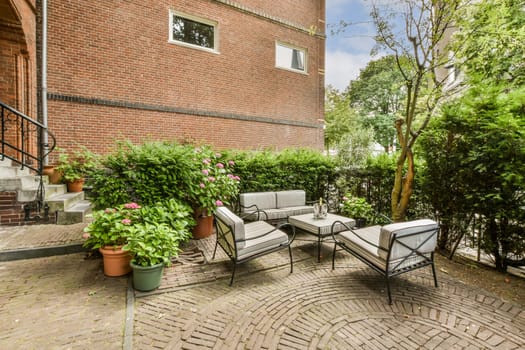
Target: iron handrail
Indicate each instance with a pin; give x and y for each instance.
(25, 132)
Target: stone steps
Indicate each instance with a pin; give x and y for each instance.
(68, 207)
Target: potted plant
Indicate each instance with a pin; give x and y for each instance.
(155, 240)
(108, 232)
(357, 208)
(75, 166)
(213, 184)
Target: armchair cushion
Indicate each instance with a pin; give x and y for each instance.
(263, 200)
(233, 221)
(405, 233)
(292, 198)
(261, 244)
(367, 249)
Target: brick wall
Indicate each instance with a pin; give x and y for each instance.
(12, 211)
(114, 75)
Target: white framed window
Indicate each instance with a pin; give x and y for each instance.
(290, 57)
(193, 31)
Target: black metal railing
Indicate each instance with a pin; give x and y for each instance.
(24, 142)
(23, 139)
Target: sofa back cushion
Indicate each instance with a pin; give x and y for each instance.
(263, 200)
(410, 233)
(294, 198)
(235, 223)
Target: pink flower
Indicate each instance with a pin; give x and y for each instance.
(202, 185)
(211, 179)
(218, 155)
(231, 163)
(220, 165)
(205, 172)
(109, 210)
(345, 198)
(131, 205)
(237, 178)
(86, 235)
(219, 203)
(126, 221)
(206, 161)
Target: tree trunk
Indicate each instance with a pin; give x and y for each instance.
(403, 186)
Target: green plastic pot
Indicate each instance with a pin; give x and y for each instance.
(146, 278)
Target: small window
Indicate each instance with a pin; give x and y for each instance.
(193, 31)
(290, 57)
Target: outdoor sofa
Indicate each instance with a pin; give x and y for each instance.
(392, 249)
(273, 206)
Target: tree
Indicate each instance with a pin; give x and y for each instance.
(490, 41)
(344, 131)
(379, 94)
(424, 24)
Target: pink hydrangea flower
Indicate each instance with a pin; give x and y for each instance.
(86, 235)
(126, 221)
(109, 210)
(206, 161)
(218, 155)
(237, 178)
(205, 172)
(131, 205)
(211, 179)
(231, 163)
(220, 165)
(219, 203)
(345, 198)
(202, 185)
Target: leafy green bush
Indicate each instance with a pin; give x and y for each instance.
(304, 169)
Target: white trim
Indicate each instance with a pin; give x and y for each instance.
(288, 67)
(214, 24)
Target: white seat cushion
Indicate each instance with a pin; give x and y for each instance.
(258, 245)
(365, 249)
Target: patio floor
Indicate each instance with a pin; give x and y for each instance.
(61, 302)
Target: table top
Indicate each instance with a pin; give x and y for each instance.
(320, 226)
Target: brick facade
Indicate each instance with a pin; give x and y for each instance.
(112, 74)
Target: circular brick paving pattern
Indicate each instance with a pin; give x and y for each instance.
(319, 308)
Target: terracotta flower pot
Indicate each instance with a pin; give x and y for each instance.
(75, 186)
(204, 227)
(116, 261)
(53, 175)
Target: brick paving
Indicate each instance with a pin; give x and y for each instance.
(61, 302)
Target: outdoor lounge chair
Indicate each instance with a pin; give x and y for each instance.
(243, 242)
(392, 249)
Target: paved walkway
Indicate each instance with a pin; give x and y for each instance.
(65, 302)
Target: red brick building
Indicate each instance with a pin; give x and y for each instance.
(235, 74)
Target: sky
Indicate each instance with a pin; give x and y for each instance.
(347, 52)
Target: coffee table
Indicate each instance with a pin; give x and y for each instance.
(320, 227)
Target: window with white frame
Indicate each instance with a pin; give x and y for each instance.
(290, 57)
(192, 31)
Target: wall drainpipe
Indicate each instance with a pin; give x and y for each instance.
(45, 139)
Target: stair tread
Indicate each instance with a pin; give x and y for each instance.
(64, 196)
(81, 206)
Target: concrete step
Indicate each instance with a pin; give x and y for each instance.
(10, 169)
(74, 214)
(61, 202)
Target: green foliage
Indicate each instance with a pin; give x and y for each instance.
(356, 207)
(290, 169)
(379, 95)
(345, 131)
(475, 157)
(151, 233)
(77, 164)
(490, 42)
(157, 236)
(155, 171)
